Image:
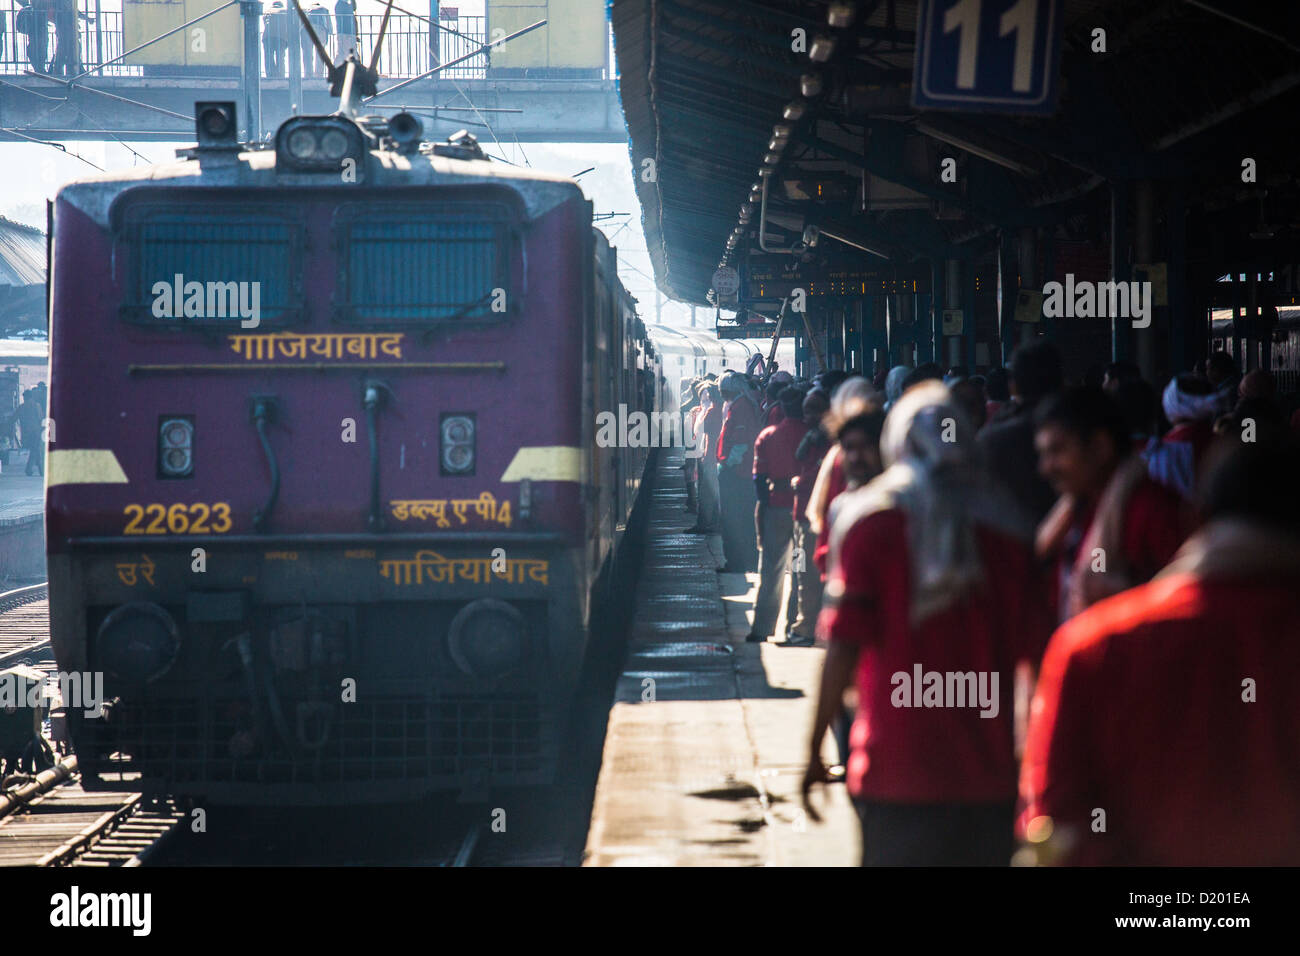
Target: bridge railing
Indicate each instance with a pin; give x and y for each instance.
(407, 50)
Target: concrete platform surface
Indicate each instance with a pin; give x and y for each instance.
(21, 497)
(706, 741)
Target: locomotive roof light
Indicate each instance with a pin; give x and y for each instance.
(319, 144)
(215, 125)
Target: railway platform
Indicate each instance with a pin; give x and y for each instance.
(22, 531)
(705, 745)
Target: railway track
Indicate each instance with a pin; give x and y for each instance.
(24, 625)
(49, 820)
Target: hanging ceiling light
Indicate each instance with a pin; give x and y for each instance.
(840, 15)
(821, 49)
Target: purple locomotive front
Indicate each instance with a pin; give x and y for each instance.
(325, 505)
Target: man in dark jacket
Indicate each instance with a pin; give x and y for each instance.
(275, 39)
(1008, 443)
(31, 415)
(319, 18)
(67, 54)
(33, 22)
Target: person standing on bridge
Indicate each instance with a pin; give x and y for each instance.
(275, 39)
(33, 22)
(345, 18)
(319, 18)
(67, 54)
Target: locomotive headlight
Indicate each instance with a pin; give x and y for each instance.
(319, 144)
(302, 143)
(487, 638)
(333, 144)
(176, 447)
(137, 643)
(457, 446)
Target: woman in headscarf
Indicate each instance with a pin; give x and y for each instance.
(735, 455)
(704, 440)
(894, 384)
(931, 604)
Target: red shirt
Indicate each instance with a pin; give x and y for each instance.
(711, 426)
(935, 754)
(1155, 526)
(1139, 711)
(836, 483)
(808, 469)
(774, 456)
(739, 427)
(774, 414)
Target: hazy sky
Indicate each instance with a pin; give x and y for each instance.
(31, 173)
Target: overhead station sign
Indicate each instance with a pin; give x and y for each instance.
(760, 330)
(988, 55)
(773, 278)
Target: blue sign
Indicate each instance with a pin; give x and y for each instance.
(988, 55)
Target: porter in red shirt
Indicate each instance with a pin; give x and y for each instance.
(774, 457)
(1142, 712)
(906, 753)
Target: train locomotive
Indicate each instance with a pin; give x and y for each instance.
(325, 505)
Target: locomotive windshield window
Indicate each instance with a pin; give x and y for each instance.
(200, 268)
(417, 270)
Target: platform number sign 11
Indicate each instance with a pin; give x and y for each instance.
(988, 55)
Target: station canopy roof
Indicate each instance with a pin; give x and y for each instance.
(22, 254)
(714, 91)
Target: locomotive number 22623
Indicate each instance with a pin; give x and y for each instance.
(179, 518)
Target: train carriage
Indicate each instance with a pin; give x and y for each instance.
(325, 506)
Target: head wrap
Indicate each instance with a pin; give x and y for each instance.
(855, 389)
(894, 382)
(933, 474)
(1181, 406)
(734, 381)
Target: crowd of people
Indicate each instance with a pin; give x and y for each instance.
(280, 18)
(33, 19)
(1057, 614)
